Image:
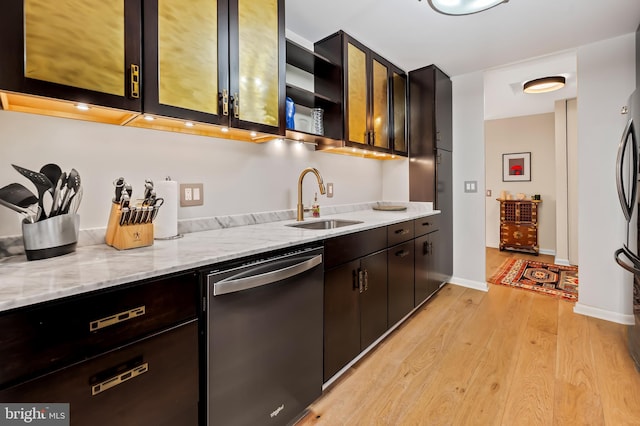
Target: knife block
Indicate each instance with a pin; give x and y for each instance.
(125, 237)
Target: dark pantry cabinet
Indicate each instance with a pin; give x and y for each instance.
(428, 252)
(125, 356)
(430, 145)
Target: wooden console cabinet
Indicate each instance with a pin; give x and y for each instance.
(519, 225)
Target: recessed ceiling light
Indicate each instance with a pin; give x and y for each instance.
(543, 85)
(82, 107)
(463, 7)
(224, 130)
(253, 134)
(188, 124)
(149, 117)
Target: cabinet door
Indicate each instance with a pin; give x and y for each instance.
(399, 95)
(444, 203)
(443, 112)
(341, 317)
(357, 111)
(257, 65)
(401, 281)
(151, 382)
(373, 299)
(80, 50)
(379, 104)
(186, 60)
(426, 282)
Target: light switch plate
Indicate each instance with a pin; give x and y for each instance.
(330, 190)
(191, 194)
(470, 186)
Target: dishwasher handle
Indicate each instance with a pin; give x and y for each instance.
(233, 284)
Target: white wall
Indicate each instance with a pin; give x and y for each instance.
(528, 133)
(238, 177)
(468, 165)
(606, 72)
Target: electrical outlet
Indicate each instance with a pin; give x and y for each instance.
(191, 194)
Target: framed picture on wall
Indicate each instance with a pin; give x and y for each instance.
(516, 167)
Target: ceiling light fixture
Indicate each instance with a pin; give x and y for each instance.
(463, 7)
(543, 85)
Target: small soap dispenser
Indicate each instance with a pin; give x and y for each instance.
(315, 208)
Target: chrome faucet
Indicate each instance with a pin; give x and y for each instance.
(320, 184)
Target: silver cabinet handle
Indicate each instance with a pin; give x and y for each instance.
(233, 284)
(633, 269)
(402, 231)
(117, 318)
(627, 203)
(119, 379)
(402, 253)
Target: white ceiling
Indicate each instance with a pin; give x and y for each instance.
(514, 42)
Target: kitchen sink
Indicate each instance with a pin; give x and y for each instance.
(325, 224)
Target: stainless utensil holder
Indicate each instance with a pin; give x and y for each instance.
(51, 237)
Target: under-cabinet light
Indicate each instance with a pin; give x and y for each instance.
(82, 107)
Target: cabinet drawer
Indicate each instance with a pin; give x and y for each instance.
(45, 337)
(519, 234)
(424, 225)
(345, 248)
(151, 382)
(400, 232)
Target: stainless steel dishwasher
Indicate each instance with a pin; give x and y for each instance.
(264, 338)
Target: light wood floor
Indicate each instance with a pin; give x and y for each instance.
(503, 357)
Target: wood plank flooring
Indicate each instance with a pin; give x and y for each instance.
(505, 357)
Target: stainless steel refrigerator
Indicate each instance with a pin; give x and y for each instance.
(628, 256)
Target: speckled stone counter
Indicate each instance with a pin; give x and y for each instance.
(99, 266)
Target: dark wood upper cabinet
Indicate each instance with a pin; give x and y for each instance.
(324, 78)
(219, 62)
(370, 94)
(84, 52)
(213, 62)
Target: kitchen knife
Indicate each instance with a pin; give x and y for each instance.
(119, 184)
(124, 213)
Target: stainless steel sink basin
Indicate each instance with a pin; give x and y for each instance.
(325, 224)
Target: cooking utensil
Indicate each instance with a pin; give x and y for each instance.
(42, 183)
(58, 192)
(74, 204)
(28, 214)
(18, 195)
(73, 184)
(52, 172)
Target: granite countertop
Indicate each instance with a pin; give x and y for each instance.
(94, 267)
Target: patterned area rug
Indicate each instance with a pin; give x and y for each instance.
(546, 278)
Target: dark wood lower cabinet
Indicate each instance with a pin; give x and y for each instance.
(427, 281)
(355, 309)
(151, 382)
(401, 281)
(373, 299)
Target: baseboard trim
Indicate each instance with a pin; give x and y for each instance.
(462, 282)
(594, 312)
(547, 251)
(563, 262)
